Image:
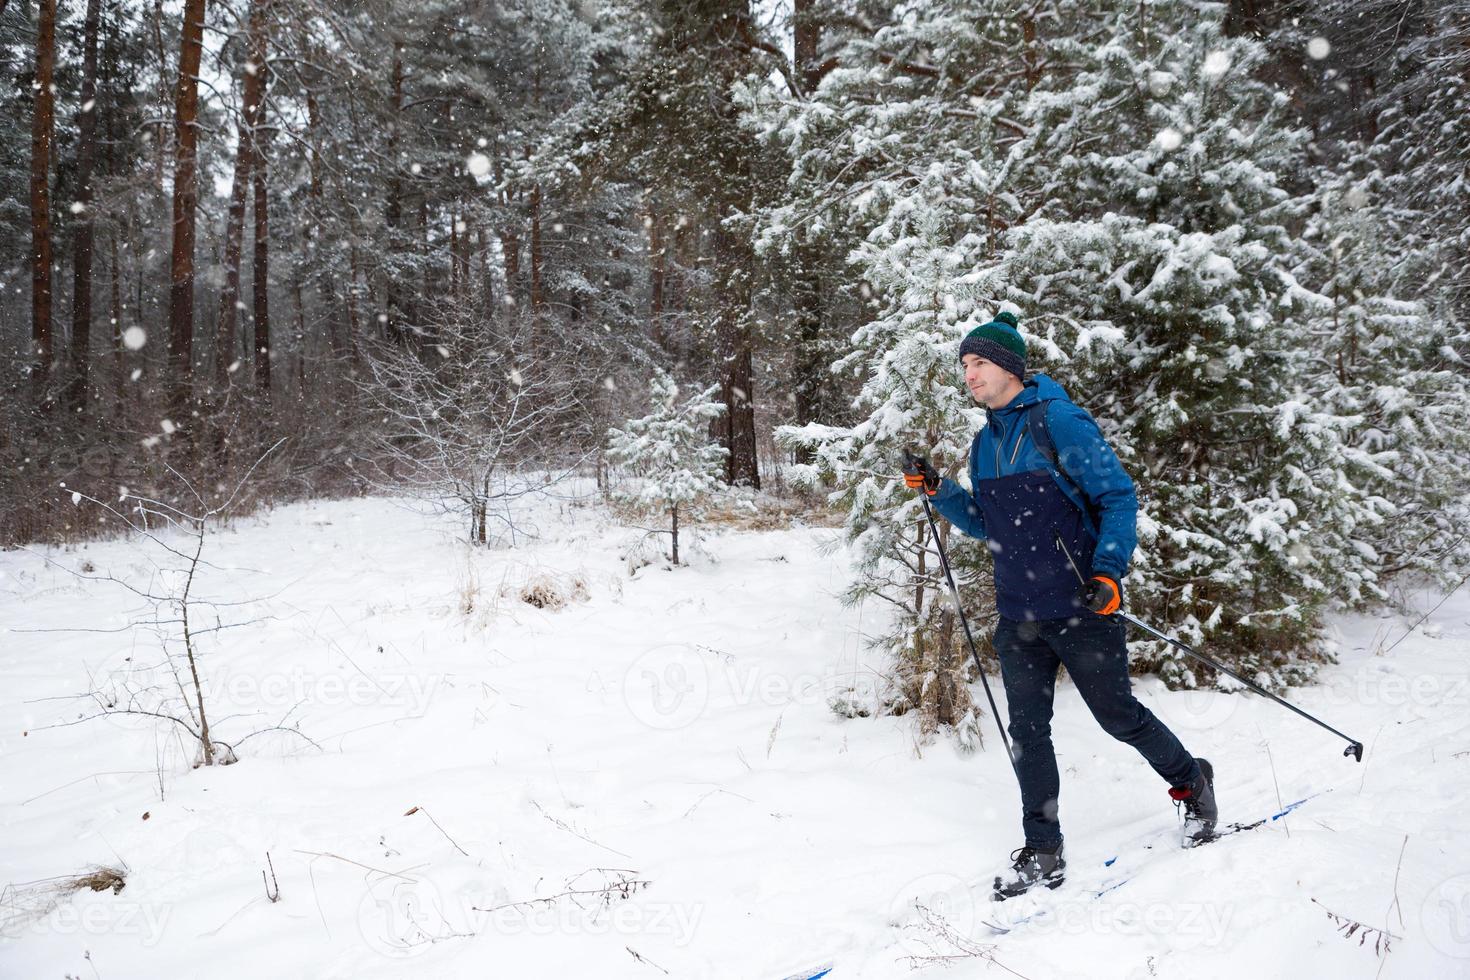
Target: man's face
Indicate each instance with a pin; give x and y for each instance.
(990, 384)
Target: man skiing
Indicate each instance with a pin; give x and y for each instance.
(1054, 505)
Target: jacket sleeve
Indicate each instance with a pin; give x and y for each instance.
(1086, 457)
(958, 507)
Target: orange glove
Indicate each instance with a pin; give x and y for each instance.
(1102, 595)
(919, 474)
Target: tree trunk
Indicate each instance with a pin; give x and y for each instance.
(656, 272)
(185, 199)
(810, 370)
(674, 512)
(737, 380)
(296, 291)
(354, 334)
(81, 308)
(119, 356)
(261, 272)
(536, 253)
(454, 225)
(510, 243)
(252, 109)
(488, 279)
(806, 39)
(42, 125)
(393, 211)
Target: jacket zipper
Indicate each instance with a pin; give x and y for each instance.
(1000, 444)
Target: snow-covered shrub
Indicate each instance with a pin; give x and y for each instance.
(546, 591)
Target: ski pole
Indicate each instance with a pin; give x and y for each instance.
(965, 623)
(1354, 749)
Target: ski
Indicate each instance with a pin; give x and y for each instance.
(1234, 828)
(813, 974)
(1109, 884)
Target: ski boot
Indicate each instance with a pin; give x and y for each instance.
(1198, 799)
(1030, 867)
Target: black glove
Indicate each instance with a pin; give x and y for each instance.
(1101, 594)
(918, 473)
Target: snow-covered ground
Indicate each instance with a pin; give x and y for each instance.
(667, 735)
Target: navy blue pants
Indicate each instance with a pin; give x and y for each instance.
(1093, 650)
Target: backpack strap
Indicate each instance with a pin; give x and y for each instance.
(1040, 429)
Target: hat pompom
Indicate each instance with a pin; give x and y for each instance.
(1009, 318)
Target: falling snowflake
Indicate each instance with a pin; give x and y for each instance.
(134, 338)
(478, 164)
(1169, 139)
(1217, 63)
(1318, 48)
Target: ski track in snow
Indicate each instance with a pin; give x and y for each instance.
(673, 728)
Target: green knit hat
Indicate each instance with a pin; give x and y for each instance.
(998, 342)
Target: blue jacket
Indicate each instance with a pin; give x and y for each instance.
(1004, 448)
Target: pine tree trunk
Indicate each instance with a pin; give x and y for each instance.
(674, 513)
(42, 126)
(160, 126)
(656, 267)
(185, 200)
(510, 243)
(810, 369)
(119, 356)
(487, 278)
(536, 254)
(81, 328)
(393, 211)
(261, 275)
(737, 380)
(454, 224)
(296, 291)
(251, 112)
(806, 39)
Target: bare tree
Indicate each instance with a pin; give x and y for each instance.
(465, 420)
(172, 690)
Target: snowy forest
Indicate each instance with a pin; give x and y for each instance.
(699, 271)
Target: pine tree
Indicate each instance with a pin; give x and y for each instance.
(901, 154)
(670, 452)
(1138, 197)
